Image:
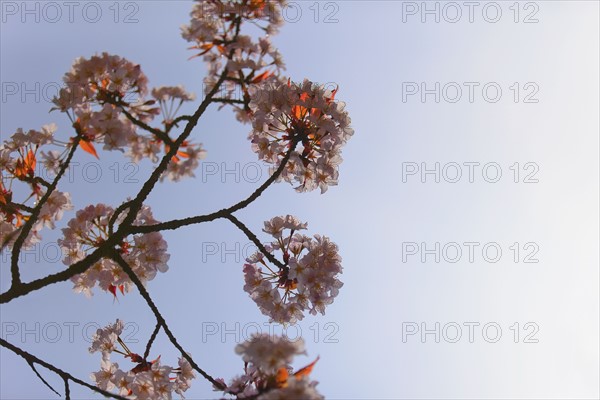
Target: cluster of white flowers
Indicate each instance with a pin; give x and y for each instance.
(267, 371)
(98, 91)
(100, 79)
(304, 114)
(213, 21)
(213, 30)
(308, 279)
(18, 163)
(146, 253)
(147, 380)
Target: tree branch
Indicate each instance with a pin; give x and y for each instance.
(30, 358)
(157, 132)
(14, 267)
(32, 365)
(255, 240)
(159, 318)
(151, 340)
(178, 223)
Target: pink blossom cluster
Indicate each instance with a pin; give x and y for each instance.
(267, 373)
(146, 254)
(147, 380)
(304, 115)
(18, 163)
(215, 29)
(99, 80)
(98, 93)
(214, 21)
(308, 279)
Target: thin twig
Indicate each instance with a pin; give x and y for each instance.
(14, 267)
(178, 223)
(32, 365)
(255, 240)
(159, 318)
(151, 340)
(63, 374)
(161, 135)
(116, 214)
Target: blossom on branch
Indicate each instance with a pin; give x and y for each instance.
(105, 99)
(145, 253)
(216, 29)
(306, 115)
(268, 373)
(146, 380)
(308, 279)
(18, 163)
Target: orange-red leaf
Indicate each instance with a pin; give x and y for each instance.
(299, 111)
(88, 147)
(113, 289)
(306, 370)
(333, 92)
(25, 167)
(30, 161)
(262, 77)
(281, 377)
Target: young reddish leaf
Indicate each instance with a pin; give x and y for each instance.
(333, 92)
(306, 370)
(281, 377)
(262, 77)
(25, 167)
(30, 162)
(88, 147)
(299, 112)
(113, 289)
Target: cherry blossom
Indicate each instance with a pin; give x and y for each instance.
(308, 279)
(306, 115)
(216, 31)
(146, 379)
(267, 371)
(18, 162)
(146, 254)
(101, 79)
(105, 99)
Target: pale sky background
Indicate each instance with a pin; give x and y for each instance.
(373, 51)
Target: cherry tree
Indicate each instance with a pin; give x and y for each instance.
(297, 127)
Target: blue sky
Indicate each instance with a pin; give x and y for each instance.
(382, 215)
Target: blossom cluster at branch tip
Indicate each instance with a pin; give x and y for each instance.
(147, 380)
(216, 31)
(104, 96)
(308, 279)
(146, 254)
(306, 116)
(19, 163)
(267, 372)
